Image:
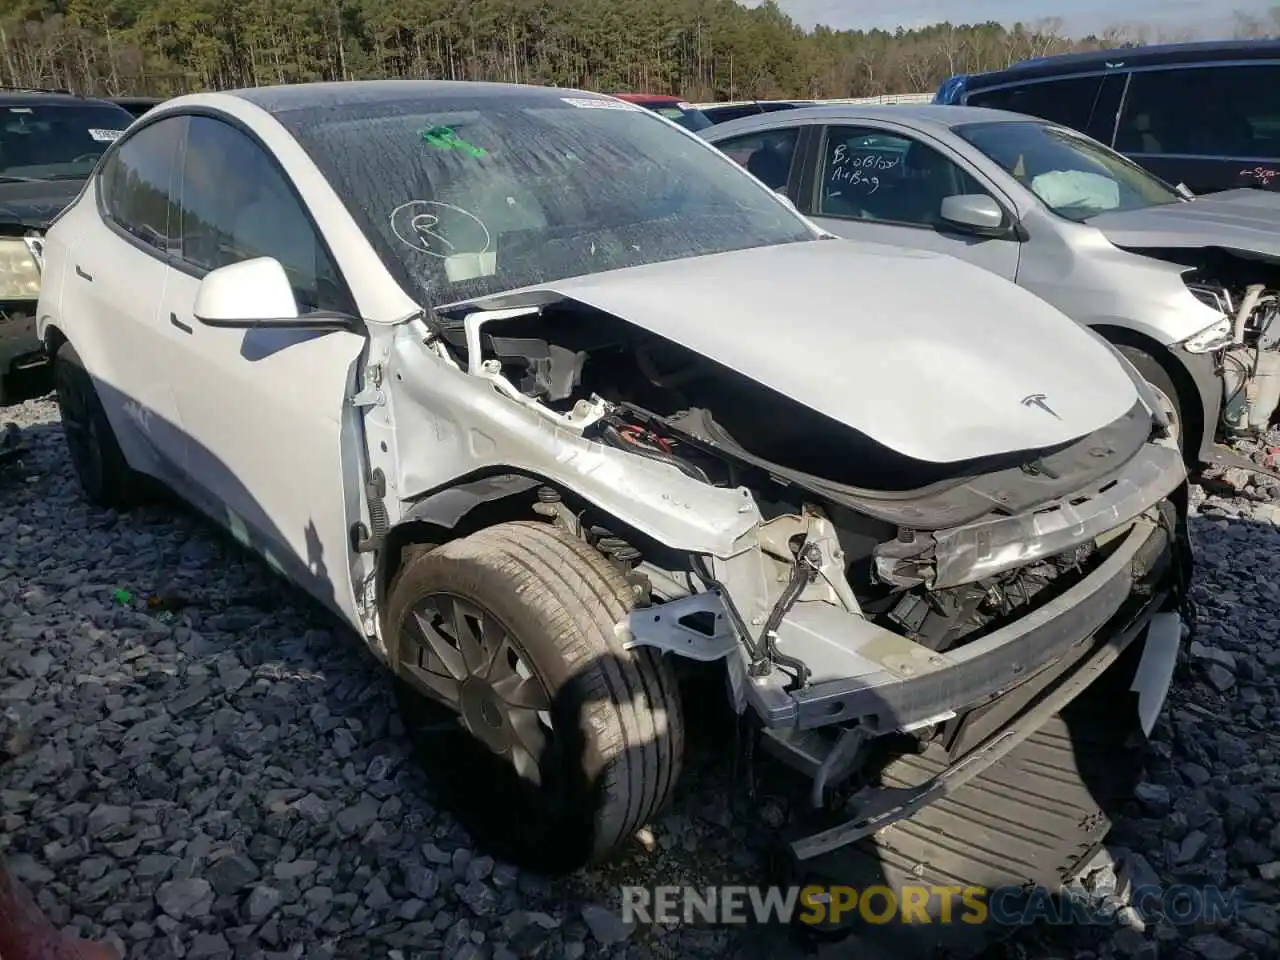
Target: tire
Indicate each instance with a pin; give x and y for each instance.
(105, 477)
(538, 599)
(1159, 378)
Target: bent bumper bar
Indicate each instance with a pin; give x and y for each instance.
(881, 806)
(1116, 594)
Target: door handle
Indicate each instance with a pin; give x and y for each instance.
(82, 275)
(173, 319)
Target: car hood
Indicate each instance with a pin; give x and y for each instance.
(926, 354)
(1246, 221)
(35, 204)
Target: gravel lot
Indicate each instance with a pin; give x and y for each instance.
(227, 776)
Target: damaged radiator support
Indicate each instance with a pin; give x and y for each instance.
(983, 549)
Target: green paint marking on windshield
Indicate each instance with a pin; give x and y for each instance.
(443, 138)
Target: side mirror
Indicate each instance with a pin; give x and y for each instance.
(257, 293)
(975, 213)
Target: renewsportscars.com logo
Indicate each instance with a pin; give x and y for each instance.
(917, 904)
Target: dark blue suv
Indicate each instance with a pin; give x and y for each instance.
(1203, 114)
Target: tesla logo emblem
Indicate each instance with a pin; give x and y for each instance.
(1037, 400)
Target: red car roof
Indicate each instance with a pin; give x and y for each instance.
(647, 98)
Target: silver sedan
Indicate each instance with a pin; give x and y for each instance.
(1185, 286)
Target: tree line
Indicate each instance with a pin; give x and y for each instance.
(699, 49)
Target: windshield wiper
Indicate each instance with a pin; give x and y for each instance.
(6, 178)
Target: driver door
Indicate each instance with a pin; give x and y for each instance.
(881, 185)
(271, 438)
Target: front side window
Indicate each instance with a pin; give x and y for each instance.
(137, 182)
(1227, 111)
(235, 204)
(869, 174)
(1068, 101)
(1073, 176)
(56, 141)
(471, 196)
(766, 155)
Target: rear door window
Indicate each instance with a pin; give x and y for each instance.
(1205, 111)
(1068, 101)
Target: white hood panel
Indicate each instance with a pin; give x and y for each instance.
(930, 356)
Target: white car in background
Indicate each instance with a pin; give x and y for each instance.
(543, 395)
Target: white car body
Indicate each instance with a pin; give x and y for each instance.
(303, 442)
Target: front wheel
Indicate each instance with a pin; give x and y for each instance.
(551, 742)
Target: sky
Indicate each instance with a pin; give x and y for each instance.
(1208, 19)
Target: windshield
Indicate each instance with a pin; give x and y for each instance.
(1073, 176)
(56, 141)
(486, 194)
(688, 117)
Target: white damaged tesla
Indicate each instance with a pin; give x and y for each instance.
(548, 400)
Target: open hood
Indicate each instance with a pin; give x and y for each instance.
(1244, 221)
(932, 357)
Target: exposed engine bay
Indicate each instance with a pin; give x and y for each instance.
(894, 517)
(1246, 344)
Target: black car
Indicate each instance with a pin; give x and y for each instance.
(137, 105)
(1203, 114)
(724, 112)
(50, 142)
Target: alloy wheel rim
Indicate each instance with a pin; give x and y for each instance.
(468, 661)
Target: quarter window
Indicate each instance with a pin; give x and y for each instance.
(137, 179)
(1069, 101)
(767, 155)
(1212, 111)
(874, 175)
(235, 204)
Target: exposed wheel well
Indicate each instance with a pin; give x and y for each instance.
(409, 538)
(1188, 398)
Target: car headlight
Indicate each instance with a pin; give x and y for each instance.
(1210, 338)
(19, 270)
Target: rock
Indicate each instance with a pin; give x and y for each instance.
(359, 817)
(1154, 796)
(180, 899)
(479, 898)
(294, 869)
(480, 868)
(232, 874)
(1212, 654)
(422, 882)
(1210, 946)
(1220, 677)
(1192, 846)
(605, 925)
(262, 902)
(108, 822)
(1269, 871)
(209, 946)
(376, 896)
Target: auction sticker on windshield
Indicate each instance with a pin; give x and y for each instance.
(596, 103)
(105, 136)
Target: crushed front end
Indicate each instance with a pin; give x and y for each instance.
(854, 594)
(962, 615)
